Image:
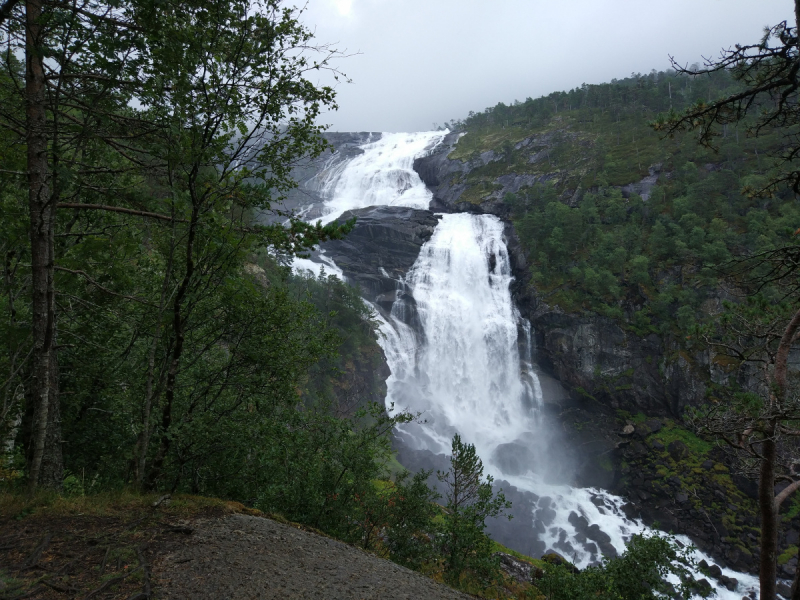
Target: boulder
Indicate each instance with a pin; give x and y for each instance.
(730, 583)
(545, 515)
(654, 425)
(518, 569)
(702, 587)
(746, 485)
(554, 558)
(677, 450)
(792, 537)
(642, 430)
(513, 458)
(603, 540)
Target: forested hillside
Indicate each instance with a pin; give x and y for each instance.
(154, 339)
(657, 221)
(152, 335)
(618, 218)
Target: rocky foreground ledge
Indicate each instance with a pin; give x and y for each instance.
(241, 556)
(123, 545)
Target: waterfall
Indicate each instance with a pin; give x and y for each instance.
(466, 363)
(382, 176)
(466, 375)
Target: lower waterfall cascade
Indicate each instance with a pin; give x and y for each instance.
(460, 355)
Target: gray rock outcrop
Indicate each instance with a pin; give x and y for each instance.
(383, 246)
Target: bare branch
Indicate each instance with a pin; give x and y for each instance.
(786, 492)
(88, 278)
(127, 211)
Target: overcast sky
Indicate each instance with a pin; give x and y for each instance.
(428, 61)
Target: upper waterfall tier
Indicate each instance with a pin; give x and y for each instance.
(383, 175)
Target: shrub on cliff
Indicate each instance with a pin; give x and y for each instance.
(638, 574)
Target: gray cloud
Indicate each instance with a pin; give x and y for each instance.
(426, 61)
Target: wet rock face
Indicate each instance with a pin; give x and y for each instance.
(601, 361)
(694, 491)
(440, 174)
(381, 249)
(518, 569)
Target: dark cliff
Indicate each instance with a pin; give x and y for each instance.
(628, 388)
(381, 249)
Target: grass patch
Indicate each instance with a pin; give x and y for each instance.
(486, 139)
(120, 503)
(790, 553)
(793, 510)
(698, 448)
(498, 547)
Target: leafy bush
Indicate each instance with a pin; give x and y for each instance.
(638, 574)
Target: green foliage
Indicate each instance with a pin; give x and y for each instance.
(696, 445)
(787, 555)
(355, 374)
(318, 469)
(396, 520)
(648, 263)
(72, 486)
(466, 549)
(638, 574)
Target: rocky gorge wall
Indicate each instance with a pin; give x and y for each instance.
(590, 354)
(616, 396)
(625, 395)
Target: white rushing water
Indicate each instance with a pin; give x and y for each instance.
(467, 367)
(466, 375)
(382, 176)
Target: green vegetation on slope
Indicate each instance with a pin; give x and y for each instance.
(595, 245)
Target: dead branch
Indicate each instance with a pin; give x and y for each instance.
(102, 288)
(33, 559)
(785, 493)
(119, 209)
(111, 582)
(105, 560)
(146, 592)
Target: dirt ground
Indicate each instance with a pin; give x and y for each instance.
(213, 554)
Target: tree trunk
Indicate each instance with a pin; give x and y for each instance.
(177, 352)
(768, 567)
(143, 443)
(46, 464)
(797, 19)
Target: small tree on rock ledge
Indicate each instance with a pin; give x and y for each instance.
(466, 549)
